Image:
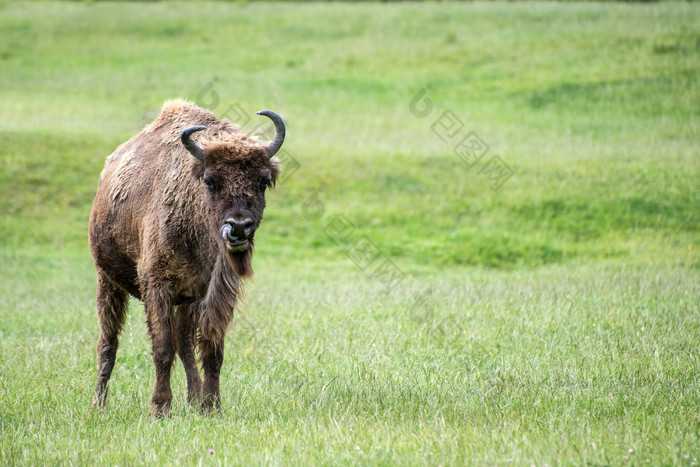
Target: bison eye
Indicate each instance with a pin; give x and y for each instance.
(210, 182)
(265, 181)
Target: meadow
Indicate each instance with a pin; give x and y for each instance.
(484, 249)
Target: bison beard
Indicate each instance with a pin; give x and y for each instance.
(213, 323)
(240, 262)
(216, 310)
(155, 233)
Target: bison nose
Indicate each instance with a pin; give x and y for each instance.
(241, 227)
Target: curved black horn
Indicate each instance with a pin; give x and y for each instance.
(190, 145)
(275, 145)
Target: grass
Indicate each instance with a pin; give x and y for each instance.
(551, 320)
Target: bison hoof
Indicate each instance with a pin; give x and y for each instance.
(159, 410)
(211, 404)
(194, 398)
(99, 399)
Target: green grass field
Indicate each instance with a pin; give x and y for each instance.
(409, 306)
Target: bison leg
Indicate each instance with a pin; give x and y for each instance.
(112, 302)
(159, 320)
(185, 339)
(212, 359)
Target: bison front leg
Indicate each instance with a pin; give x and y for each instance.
(186, 339)
(111, 310)
(159, 318)
(212, 359)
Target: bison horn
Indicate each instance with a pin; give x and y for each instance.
(280, 131)
(190, 145)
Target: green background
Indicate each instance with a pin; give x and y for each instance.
(408, 307)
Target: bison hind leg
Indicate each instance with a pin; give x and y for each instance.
(112, 303)
(185, 342)
(212, 356)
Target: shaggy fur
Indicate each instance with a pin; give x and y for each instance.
(155, 234)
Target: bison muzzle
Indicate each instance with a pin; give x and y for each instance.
(173, 224)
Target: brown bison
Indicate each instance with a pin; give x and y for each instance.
(172, 224)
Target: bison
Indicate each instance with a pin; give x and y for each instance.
(172, 224)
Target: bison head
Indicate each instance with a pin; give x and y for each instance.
(235, 177)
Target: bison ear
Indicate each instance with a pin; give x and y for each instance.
(197, 169)
(275, 169)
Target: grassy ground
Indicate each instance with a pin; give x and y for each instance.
(410, 306)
